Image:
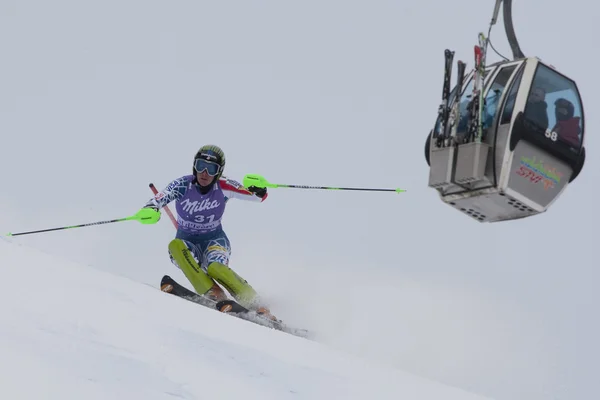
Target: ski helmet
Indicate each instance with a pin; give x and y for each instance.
(213, 155)
(564, 109)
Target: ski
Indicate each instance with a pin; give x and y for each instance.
(474, 105)
(443, 110)
(477, 104)
(481, 75)
(230, 307)
(169, 285)
(455, 115)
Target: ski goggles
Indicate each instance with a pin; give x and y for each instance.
(210, 167)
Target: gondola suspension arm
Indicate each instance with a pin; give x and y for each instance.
(508, 27)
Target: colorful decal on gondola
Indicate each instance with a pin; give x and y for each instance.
(537, 172)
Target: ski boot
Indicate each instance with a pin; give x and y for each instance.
(215, 293)
(266, 313)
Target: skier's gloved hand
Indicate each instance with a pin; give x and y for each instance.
(148, 215)
(260, 192)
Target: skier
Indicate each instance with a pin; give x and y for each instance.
(200, 201)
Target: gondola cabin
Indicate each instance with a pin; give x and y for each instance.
(531, 145)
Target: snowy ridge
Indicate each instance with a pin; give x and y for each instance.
(72, 332)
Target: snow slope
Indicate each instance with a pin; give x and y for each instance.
(72, 332)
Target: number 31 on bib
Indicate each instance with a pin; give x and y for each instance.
(201, 218)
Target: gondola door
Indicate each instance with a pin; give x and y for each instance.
(544, 150)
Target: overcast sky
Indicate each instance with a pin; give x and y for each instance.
(97, 99)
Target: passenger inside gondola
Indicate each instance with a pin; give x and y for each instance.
(537, 108)
(567, 125)
(493, 96)
(564, 126)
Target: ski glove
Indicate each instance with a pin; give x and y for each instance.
(148, 215)
(260, 192)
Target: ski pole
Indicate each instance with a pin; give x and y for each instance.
(167, 209)
(261, 182)
(135, 217)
